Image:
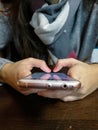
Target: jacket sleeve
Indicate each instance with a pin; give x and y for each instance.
(5, 37)
(5, 31)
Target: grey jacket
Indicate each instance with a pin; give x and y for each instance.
(5, 36)
(82, 36)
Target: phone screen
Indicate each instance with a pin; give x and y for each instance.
(51, 76)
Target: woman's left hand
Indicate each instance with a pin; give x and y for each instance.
(87, 74)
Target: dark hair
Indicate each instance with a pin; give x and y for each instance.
(26, 43)
(7, 1)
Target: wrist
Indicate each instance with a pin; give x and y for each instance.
(4, 70)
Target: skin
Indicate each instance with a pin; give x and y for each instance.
(12, 72)
(86, 73)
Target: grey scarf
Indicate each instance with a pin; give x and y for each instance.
(53, 24)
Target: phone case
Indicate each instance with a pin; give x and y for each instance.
(49, 81)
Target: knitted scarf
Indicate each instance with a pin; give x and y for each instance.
(53, 23)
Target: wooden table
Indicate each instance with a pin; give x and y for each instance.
(18, 112)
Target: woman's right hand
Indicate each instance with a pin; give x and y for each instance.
(12, 72)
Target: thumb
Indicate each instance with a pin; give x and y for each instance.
(68, 62)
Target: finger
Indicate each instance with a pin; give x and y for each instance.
(55, 93)
(28, 91)
(24, 74)
(69, 62)
(70, 98)
(40, 64)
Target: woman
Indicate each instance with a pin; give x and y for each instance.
(63, 33)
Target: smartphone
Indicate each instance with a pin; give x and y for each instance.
(53, 80)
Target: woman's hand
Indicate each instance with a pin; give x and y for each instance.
(87, 74)
(12, 72)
